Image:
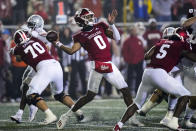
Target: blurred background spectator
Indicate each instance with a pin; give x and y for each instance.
(162, 9)
(133, 54)
(152, 34)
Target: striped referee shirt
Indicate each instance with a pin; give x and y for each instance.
(80, 55)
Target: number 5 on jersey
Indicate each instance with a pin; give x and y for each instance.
(162, 52)
(35, 46)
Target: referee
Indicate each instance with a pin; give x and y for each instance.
(77, 67)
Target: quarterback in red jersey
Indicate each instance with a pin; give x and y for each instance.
(93, 38)
(163, 57)
(34, 53)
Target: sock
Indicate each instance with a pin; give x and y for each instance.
(120, 124)
(48, 112)
(172, 103)
(148, 106)
(189, 113)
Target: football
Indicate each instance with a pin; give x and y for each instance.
(52, 36)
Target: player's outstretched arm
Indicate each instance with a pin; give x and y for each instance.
(149, 54)
(189, 22)
(114, 34)
(68, 50)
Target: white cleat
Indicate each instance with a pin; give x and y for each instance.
(167, 118)
(48, 120)
(165, 121)
(32, 112)
(186, 123)
(17, 118)
(135, 122)
(62, 121)
(173, 124)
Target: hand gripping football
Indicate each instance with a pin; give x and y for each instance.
(52, 36)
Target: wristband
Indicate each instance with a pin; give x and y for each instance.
(59, 44)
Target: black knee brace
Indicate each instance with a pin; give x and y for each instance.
(59, 97)
(33, 99)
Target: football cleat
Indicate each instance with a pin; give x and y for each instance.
(48, 120)
(116, 128)
(173, 124)
(32, 112)
(186, 123)
(62, 121)
(17, 118)
(167, 117)
(135, 122)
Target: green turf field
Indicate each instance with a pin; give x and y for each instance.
(103, 113)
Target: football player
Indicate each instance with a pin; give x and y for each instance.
(163, 57)
(158, 95)
(93, 38)
(34, 27)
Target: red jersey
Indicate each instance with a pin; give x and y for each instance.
(32, 52)
(95, 42)
(167, 54)
(152, 37)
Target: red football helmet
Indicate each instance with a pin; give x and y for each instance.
(84, 17)
(182, 33)
(21, 36)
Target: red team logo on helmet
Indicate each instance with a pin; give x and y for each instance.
(84, 17)
(21, 37)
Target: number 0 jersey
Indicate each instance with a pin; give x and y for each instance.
(167, 54)
(32, 52)
(95, 42)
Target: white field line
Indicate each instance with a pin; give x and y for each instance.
(91, 125)
(94, 107)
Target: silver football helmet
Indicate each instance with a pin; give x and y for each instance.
(35, 21)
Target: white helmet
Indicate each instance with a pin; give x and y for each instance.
(168, 32)
(35, 21)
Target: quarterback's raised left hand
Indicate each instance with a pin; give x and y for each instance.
(112, 16)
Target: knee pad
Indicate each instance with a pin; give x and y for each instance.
(33, 99)
(59, 97)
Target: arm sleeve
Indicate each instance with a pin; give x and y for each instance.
(116, 33)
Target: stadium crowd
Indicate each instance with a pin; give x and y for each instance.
(128, 54)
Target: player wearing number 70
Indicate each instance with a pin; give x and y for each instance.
(35, 54)
(163, 57)
(93, 38)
